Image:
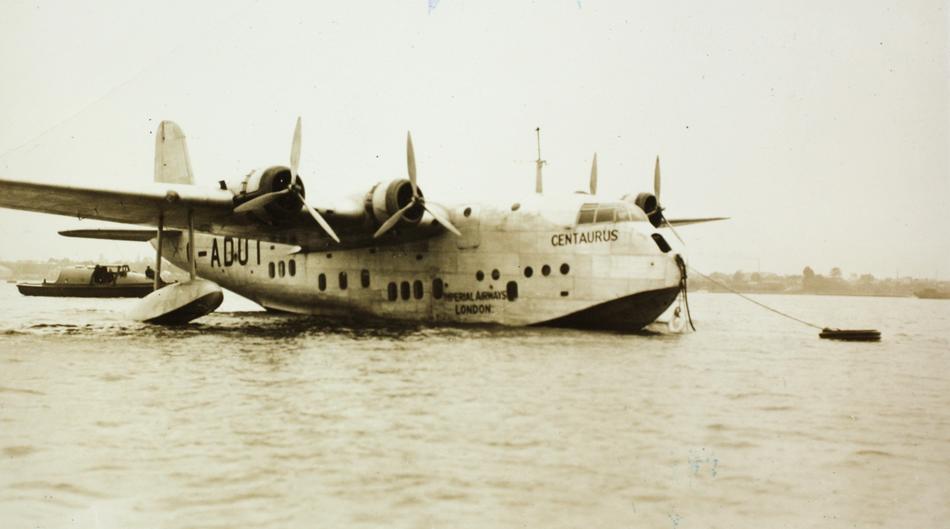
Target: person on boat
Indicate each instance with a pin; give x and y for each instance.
(149, 273)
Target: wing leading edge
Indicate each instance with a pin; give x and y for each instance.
(684, 222)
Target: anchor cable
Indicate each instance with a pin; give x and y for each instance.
(682, 266)
(747, 298)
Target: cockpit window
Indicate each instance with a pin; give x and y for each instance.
(587, 214)
(604, 214)
(610, 212)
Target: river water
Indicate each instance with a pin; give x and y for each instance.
(256, 420)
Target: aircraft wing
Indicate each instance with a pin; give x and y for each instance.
(684, 222)
(130, 205)
(141, 204)
(213, 211)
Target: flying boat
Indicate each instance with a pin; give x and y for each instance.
(575, 260)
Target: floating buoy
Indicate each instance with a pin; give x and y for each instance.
(851, 335)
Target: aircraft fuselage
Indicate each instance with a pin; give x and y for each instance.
(515, 266)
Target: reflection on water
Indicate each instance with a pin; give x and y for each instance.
(257, 419)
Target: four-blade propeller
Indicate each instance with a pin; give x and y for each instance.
(593, 176)
(659, 209)
(417, 199)
(292, 188)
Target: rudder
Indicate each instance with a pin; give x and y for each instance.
(172, 165)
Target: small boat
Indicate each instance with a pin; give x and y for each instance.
(99, 281)
(932, 293)
(851, 335)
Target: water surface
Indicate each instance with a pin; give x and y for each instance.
(256, 420)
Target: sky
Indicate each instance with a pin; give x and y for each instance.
(821, 128)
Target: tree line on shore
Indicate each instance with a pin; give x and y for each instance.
(811, 282)
(808, 282)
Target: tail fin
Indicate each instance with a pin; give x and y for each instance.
(172, 165)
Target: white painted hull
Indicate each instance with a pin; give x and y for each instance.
(619, 264)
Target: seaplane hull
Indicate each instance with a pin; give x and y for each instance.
(610, 276)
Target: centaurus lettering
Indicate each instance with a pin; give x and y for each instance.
(586, 237)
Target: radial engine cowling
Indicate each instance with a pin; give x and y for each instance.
(387, 198)
(649, 204)
(262, 182)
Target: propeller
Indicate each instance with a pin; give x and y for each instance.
(593, 176)
(417, 199)
(292, 188)
(659, 208)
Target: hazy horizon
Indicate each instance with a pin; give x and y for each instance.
(823, 130)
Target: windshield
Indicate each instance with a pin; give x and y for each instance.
(596, 213)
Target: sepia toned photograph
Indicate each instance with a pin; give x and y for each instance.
(458, 264)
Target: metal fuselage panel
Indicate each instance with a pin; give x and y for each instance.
(480, 273)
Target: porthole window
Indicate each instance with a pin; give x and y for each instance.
(479, 275)
(364, 278)
(342, 280)
(292, 267)
(545, 270)
(270, 269)
(565, 268)
(417, 291)
(467, 212)
(437, 288)
(322, 282)
(281, 269)
(528, 271)
(512, 290)
(495, 274)
(404, 289)
(391, 291)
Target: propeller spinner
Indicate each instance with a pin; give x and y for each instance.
(417, 199)
(292, 188)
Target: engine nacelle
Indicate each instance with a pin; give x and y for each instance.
(649, 204)
(386, 198)
(263, 181)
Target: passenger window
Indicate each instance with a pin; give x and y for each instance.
(391, 291)
(281, 269)
(342, 280)
(479, 275)
(364, 278)
(292, 267)
(545, 270)
(495, 274)
(270, 269)
(437, 288)
(322, 282)
(528, 271)
(404, 289)
(417, 289)
(512, 290)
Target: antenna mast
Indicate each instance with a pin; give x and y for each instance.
(538, 164)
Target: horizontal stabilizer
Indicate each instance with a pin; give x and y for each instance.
(118, 235)
(684, 222)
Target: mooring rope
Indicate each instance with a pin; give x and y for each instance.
(747, 298)
(682, 266)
